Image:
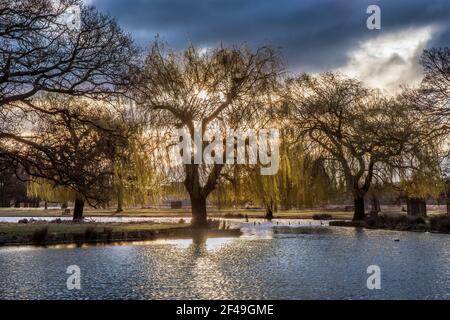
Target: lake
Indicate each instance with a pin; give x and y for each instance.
(320, 262)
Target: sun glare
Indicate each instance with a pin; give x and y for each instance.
(202, 94)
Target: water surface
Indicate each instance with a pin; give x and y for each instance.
(258, 265)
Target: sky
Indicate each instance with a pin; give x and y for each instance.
(313, 35)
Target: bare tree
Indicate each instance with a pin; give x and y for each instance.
(44, 50)
(434, 93)
(432, 99)
(41, 51)
(223, 87)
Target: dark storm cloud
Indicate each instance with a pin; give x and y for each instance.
(313, 34)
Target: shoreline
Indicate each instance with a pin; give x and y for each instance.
(436, 224)
(65, 232)
(48, 234)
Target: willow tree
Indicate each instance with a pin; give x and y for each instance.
(215, 88)
(420, 176)
(351, 125)
(305, 179)
(43, 189)
(135, 177)
(302, 181)
(417, 188)
(233, 188)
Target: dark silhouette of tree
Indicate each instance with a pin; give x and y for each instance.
(74, 148)
(40, 51)
(13, 188)
(434, 92)
(351, 125)
(43, 51)
(432, 101)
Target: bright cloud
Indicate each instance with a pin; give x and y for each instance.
(389, 61)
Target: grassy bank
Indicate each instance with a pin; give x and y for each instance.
(401, 222)
(80, 233)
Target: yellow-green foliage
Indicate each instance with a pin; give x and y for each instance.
(301, 182)
(422, 185)
(424, 179)
(43, 189)
(135, 175)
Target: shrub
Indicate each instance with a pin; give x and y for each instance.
(440, 223)
(90, 234)
(233, 215)
(214, 224)
(390, 220)
(322, 216)
(109, 233)
(416, 220)
(397, 221)
(40, 236)
(371, 222)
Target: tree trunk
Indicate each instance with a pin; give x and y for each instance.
(376, 208)
(416, 207)
(46, 205)
(359, 213)
(448, 205)
(447, 196)
(78, 210)
(269, 213)
(199, 217)
(119, 200)
(199, 194)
